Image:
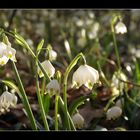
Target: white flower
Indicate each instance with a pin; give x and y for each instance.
(85, 75)
(3, 60)
(116, 82)
(113, 113)
(6, 53)
(48, 67)
(52, 55)
(120, 102)
(78, 120)
(120, 28)
(7, 100)
(53, 87)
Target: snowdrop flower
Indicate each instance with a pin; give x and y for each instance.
(85, 75)
(120, 28)
(53, 87)
(6, 53)
(78, 120)
(48, 67)
(7, 100)
(113, 113)
(52, 55)
(116, 82)
(3, 58)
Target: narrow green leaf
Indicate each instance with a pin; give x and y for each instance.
(39, 46)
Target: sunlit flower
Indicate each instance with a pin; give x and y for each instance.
(52, 55)
(115, 91)
(48, 67)
(78, 120)
(117, 76)
(6, 53)
(85, 75)
(120, 28)
(53, 87)
(7, 100)
(114, 113)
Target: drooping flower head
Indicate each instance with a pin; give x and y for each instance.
(120, 28)
(113, 113)
(7, 100)
(52, 55)
(85, 75)
(6, 53)
(53, 87)
(48, 67)
(78, 120)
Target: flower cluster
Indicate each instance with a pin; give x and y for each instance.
(6, 53)
(7, 100)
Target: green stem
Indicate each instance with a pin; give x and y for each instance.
(69, 68)
(56, 110)
(40, 102)
(103, 76)
(25, 99)
(115, 45)
(110, 102)
(61, 103)
(131, 100)
(43, 87)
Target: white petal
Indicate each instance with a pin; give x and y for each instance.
(114, 112)
(3, 60)
(54, 86)
(52, 55)
(120, 28)
(78, 120)
(85, 75)
(48, 67)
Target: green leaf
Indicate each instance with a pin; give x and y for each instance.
(39, 46)
(10, 84)
(77, 103)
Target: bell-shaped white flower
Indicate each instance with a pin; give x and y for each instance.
(48, 67)
(7, 100)
(113, 113)
(120, 28)
(6, 53)
(85, 75)
(116, 82)
(52, 55)
(53, 87)
(78, 120)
